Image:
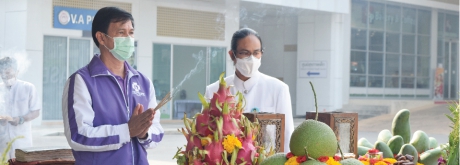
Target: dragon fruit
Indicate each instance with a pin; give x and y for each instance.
(220, 134)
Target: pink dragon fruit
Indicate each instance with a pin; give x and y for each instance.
(221, 117)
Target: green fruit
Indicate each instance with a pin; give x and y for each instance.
(395, 143)
(313, 162)
(401, 126)
(351, 162)
(276, 159)
(384, 136)
(430, 157)
(409, 149)
(364, 143)
(420, 141)
(362, 150)
(315, 137)
(383, 147)
(433, 142)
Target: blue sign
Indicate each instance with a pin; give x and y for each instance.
(73, 18)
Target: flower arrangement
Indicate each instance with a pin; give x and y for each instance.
(220, 134)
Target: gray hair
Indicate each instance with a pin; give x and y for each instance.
(7, 63)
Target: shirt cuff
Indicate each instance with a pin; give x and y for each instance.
(124, 134)
(145, 141)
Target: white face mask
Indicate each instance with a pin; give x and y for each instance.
(249, 66)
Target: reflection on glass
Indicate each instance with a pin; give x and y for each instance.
(359, 14)
(376, 15)
(357, 80)
(392, 82)
(408, 23)
(407, 82)
(408, 44)
(393, 18)
(79, 54)
(376, 40)
(358, 62)
(376, 63)
(392, 64)
(162, 75)
(392, 42)
(451, 26)
(423, 45)
(440, 24)
(358, 39)
(375, 81)
(454, 70)
(408, 66)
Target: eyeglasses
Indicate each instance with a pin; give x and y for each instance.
(246, 54)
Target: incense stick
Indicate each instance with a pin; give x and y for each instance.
(163, 101)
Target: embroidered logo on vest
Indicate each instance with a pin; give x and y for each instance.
(136, 89)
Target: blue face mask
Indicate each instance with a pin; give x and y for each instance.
(123, 47)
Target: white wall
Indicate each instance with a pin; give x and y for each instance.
(323, 37)
(337, 6)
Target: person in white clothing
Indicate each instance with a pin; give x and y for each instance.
(19, 106)
(263, 93)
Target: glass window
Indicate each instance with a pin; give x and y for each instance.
(392, 81)
(359, 14)
(375, 81)
(424, 22)
(357, 81)
(408, 23)
(423, 66)
(358, 39)
(440, 24)
(79, 54)
(376, 15)
(376, 63)
(408, 66)
(162, 75)
(392, 42)
(407, 82)
(358, 62)
(217, 62)
(188, 59)
(451, 26)
(423, 82)
(393, 18)
(392, 64)
(376, 40)
(423, 45)
(408, 44)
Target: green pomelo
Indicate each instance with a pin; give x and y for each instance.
(409, 149)
(395, 143)
(351, 162)
(276, 159)
(365, 143)
(433, 142)
(383, 147)
(315, 137)
(401, 125)
(362, 150)
(430, 157)
(313, 162)
(384, 136)
(420, 141)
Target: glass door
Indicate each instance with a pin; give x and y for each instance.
(451, 91)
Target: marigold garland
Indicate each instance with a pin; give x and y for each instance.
(230, 142)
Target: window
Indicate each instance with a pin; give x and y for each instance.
(390, 49)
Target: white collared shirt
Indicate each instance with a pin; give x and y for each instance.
(17, 101)
(265, 93)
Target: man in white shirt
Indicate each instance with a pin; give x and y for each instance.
(18, 107)
(263, 93)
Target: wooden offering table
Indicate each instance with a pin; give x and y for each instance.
(271, 133)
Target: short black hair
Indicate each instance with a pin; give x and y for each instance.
(108, 15)
(244, 32)
(8, 62)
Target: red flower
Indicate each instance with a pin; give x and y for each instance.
(362, 158)
(257, 154)
(323, 158)
(373, 151)
(301, 159)
(289, 155)
(337, 158)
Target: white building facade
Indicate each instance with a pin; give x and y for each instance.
(361, 55)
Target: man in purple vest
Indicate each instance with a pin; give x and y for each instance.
(107, 105)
